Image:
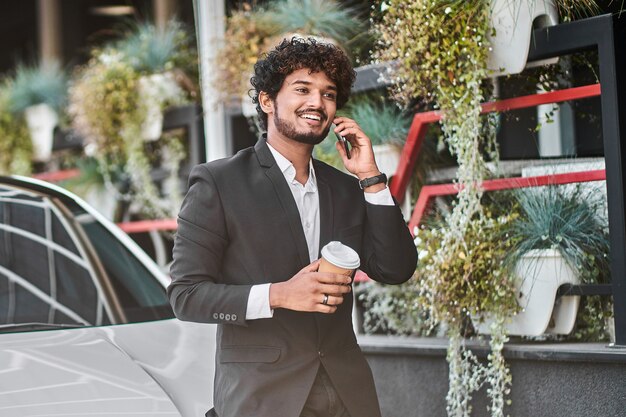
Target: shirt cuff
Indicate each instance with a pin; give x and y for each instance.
(380, 198)
(259, 303)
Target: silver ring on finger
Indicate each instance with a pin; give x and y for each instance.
(325, 300)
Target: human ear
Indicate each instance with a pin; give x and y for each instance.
(267, 104)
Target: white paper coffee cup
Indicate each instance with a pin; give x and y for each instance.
(339, 259)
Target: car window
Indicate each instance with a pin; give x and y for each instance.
(44, 278)
(141, 296)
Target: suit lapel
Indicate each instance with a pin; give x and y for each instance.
(323, 321)
(266, 159)
(326, 204)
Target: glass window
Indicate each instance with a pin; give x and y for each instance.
(142, 297)
(43, 277)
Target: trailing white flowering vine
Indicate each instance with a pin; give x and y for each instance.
(439, 50)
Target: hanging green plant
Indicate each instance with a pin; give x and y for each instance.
(16, 148)
(115, 100)
(439, 52)
(478, 278)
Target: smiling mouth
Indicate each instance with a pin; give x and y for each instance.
(317, 117)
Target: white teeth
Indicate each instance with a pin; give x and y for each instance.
(311, 116)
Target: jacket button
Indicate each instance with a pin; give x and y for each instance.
(227, 317)
(321, 354)
(234, 317)
(221, 316)
(215, 316)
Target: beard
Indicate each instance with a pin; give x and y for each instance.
(288, 130)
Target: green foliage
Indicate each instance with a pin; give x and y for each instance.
(90, 176)
(594, 315)
(393, 309)
(253, 31)
(576, 9)
(103, 100)
(439, 49)
(39, 84)
(437, 54)
(477, 279)
(438, 46)
(470, 277)
(15, 145)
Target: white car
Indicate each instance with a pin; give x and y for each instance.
(85, 324)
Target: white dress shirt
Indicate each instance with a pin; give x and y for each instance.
(307, 199)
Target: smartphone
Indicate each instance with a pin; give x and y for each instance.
(343, 141)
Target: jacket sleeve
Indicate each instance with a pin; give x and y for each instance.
(389, 252)
(198, 291)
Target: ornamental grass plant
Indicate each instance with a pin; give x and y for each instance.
(570, 220)
(382, 121)
(37, 84)
(573, 221)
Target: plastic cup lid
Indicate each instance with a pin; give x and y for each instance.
(341, 255)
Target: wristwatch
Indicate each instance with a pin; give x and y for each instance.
(368, 182)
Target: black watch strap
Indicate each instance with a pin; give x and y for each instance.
(368, 182)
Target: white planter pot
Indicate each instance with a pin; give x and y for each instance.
(387, 158)
(102, 199)
(153, 91)
(41, 120)
(513, 24)
(541, 273)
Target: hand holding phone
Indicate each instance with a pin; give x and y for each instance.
(343, 141)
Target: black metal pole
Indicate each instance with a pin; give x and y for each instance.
(612, 77)
(607, 33)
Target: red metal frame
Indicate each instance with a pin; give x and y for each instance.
(415, 139)
(437, 190)
(148, 225)
(430, 191)
(417, 131)
(56, 176)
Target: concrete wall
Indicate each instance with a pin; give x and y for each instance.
(411, 377)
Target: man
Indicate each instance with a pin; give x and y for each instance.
(247, 248)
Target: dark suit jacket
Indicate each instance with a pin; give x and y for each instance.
(239, 226)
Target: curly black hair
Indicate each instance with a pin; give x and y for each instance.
(298, 53)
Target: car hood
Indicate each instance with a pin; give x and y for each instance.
(119, 370)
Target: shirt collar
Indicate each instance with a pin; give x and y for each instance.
(289, 171)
